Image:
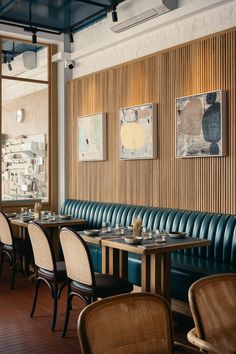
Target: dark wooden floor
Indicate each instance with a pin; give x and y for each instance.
(20, 334)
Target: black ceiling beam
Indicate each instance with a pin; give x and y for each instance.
(96, 14)
(89, 2)
(7, 6)
(40, 28)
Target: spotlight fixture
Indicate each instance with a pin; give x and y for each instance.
(71, 37)
(9, 65)
(114, 15)
(34, 36)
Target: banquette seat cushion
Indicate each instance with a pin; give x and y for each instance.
(187, 265)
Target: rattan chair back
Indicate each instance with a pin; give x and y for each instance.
(213, 306)
(77, 258)
(5, 230)
(126, 324)
(43, 255)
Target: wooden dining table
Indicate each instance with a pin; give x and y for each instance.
(52, 227)
(155, 260)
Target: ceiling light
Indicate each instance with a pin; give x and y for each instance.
(114, 15)
(9, 65)
(34, 37)
(71, 37)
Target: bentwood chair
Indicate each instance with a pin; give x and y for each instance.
(82, 281)
(13, 247)
(47, 269)
(138, 323)
(213, 306)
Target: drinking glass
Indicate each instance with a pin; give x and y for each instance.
(24, 211)
(52, 215)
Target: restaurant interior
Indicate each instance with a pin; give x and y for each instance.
(117, 192)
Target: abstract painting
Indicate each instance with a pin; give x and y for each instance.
(92, 137)
(200, 125)
(138, 132)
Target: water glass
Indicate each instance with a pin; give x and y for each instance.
(106, 226)
(24, 211)
(52, 215)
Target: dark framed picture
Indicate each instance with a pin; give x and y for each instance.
(200, 125)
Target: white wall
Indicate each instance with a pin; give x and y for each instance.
(97, 47)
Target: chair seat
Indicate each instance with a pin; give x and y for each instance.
(21, 246)
(61, 272)
(106, 285)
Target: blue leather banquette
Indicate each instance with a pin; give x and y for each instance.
(187, 265)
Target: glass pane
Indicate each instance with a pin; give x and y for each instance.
(24, 60)
(24, 140)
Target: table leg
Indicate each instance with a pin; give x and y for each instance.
(123, 264)
(165, 276)
(114, 262)
(110, 261)
(156, 274)
(145, 272)
(105, 260)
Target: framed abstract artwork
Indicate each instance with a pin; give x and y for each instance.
(138, 132)
(200, 125)
(92, 144)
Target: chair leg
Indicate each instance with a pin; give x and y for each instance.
(54, 291)
(68, 308)
(36, 288)
(13, 271)
(1, 262)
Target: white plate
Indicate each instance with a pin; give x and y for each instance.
(160, 241)
(11, 215)
(175, 234)
(133, 240)
(64, 217)
(91, 232)
(27, 218)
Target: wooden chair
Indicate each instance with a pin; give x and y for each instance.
(47, 269)
(138, 323)
(13, 247)
(213, 306)
(82, 281)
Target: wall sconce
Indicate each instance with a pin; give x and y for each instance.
(20, 115)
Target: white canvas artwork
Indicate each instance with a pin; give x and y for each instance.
(200, 125)
(138, 132)
(92, 137)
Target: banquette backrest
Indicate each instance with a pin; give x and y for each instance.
(219, 228)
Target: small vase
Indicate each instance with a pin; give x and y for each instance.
(137, 232)
(36, 215)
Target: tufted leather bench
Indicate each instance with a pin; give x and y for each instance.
(187, 265)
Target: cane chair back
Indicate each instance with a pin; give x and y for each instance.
(5, 234)
(125, 324)
(213, 306)
(80, 270)
(43, 257)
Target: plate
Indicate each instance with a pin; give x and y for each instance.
(160, 241)
(91, 232)
(133, 240)
(147, 237)
(175, 234)
(64, 217)
(11, 215)
(27, 218)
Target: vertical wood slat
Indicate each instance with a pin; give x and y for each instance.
(206, 184)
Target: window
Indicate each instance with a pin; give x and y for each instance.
(25, 121)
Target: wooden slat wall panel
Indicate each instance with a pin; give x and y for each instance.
(195, 183)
